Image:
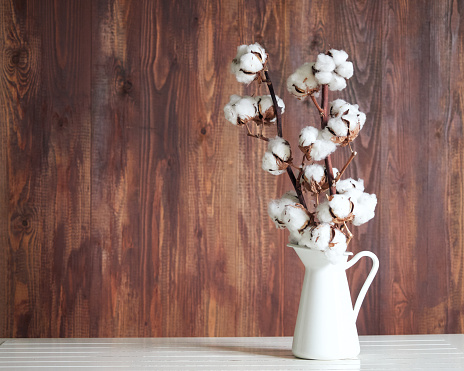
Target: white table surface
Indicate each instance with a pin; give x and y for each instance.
(419, 352)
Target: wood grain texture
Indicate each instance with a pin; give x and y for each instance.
(130, 207)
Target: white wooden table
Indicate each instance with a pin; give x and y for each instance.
(420, 352)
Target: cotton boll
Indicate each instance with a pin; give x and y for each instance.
(271, 165)
(266, 103)
(323, 213)
(340, 206)
(338, 126)
(337, 83)
(321, 149)
(321, 236)
(364, 208)
(339, 56)
(295, 217)
(314, 172)
(324, 63)
(348, 184)
(280, 148)
(323, 77)
(250, 63)
(246, 108)
(308, 136)
(276, 208)
(345, 70)
(302, 82)
(230, 109)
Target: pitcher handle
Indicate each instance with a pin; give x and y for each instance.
(369, 279)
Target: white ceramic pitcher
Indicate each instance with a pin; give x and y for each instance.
(326, 323)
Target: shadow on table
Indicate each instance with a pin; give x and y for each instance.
(352, 364)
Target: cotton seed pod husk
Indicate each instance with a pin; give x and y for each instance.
(306, 151)
(315, 187)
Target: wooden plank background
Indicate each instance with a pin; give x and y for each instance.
(130, 207)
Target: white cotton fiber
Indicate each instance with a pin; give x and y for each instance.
(340, 206)
(348, 184)
(321, 149)
(250, 63)
(270, 164)
(338, 126)
(323, 212)
(339, 56)
(337, 83)
(364, 208)
(257, 48)
(230, 113)
(308, 136)
(243, 107)
(289, 198)
(276, 208)
(314, 172)
(242, 77)
(337, 106)
(323, 77)
(337, 247)
(247, 64)
(294, 238)
(302, 81)
(264, 103)
(280, 148)
(324, 63)
(295, 217)
(345, 70)
(321, 236)
(361, 119)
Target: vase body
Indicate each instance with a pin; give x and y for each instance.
(326, 323)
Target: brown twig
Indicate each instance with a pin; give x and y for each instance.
(295, 184)
(324, 121)
(321, 111)
(353, 154)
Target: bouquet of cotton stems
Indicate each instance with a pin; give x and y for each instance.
(319, 225)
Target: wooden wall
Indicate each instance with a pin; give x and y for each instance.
(130, 207)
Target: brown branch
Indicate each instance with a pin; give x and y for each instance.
(258, 136)
(295, 184)
(353, 154)
(321, 111)
(324, 121)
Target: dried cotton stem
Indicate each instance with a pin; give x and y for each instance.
(296, 185)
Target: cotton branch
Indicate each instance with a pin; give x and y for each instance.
(296, 185)
(324, 120)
